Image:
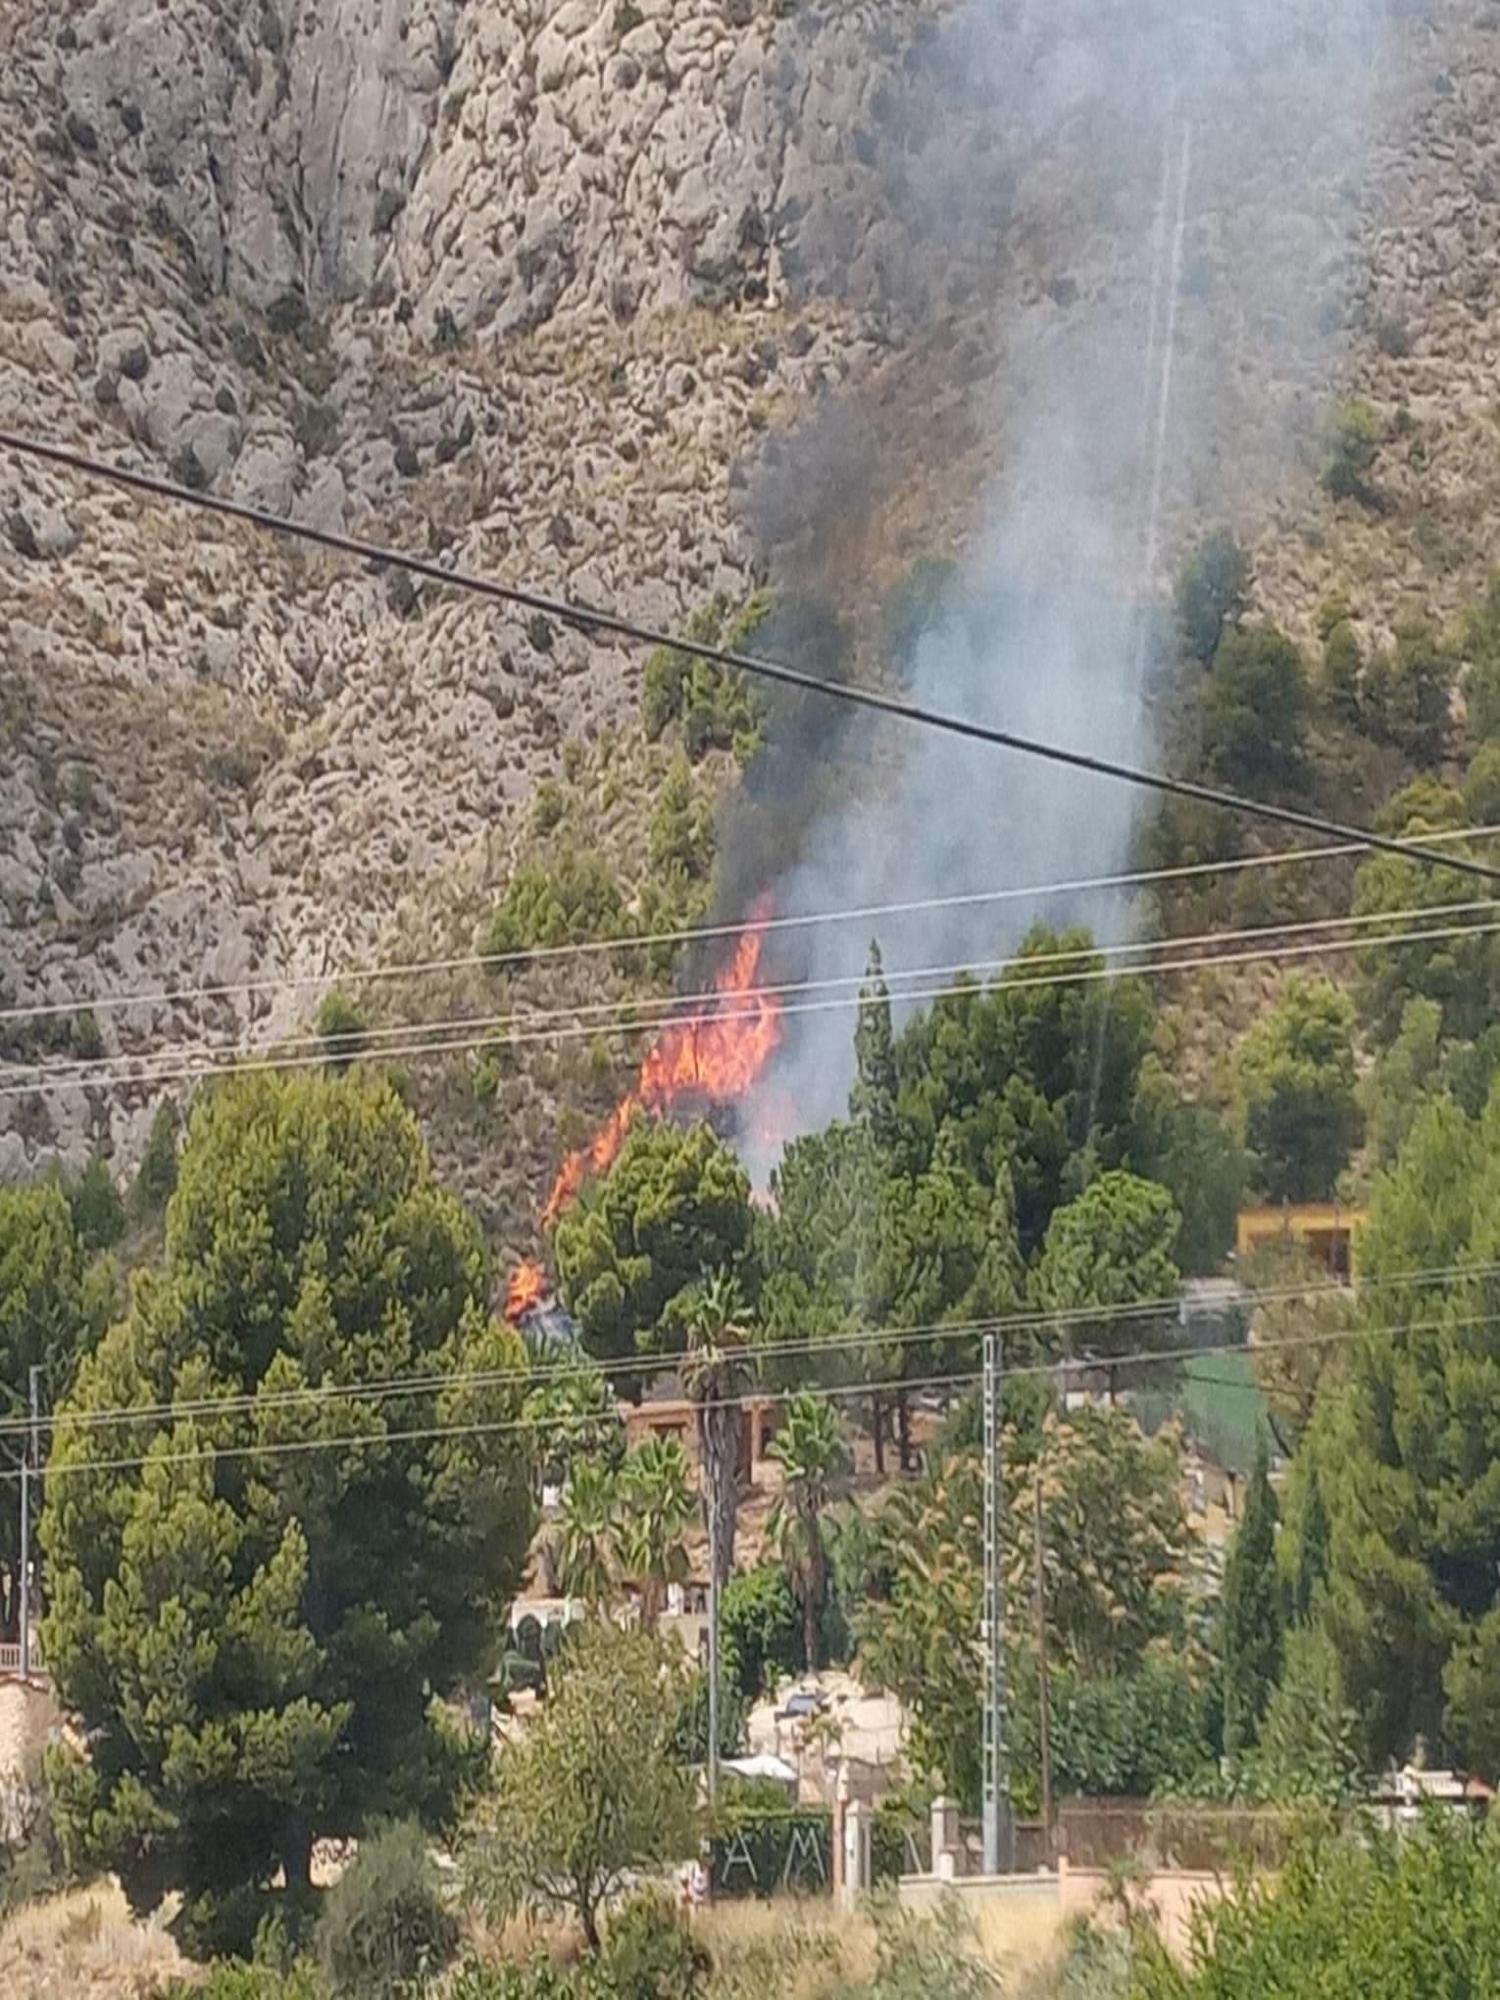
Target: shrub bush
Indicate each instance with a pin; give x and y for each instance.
(759, 1619)
(576, 897)
(98, 1211)
(1254, 708)
(682, 827)
(157, 1174)
(716, 706)
(384, 1926)
(1210, 590)
(1352, 435)
(1343, 670)
(650, 1952)
(342, 1028)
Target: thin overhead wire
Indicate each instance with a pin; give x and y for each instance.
(771, 1354)
(633, 1013)
(621, 941)
(590, 618)
(428, 1047)
(513, 1426)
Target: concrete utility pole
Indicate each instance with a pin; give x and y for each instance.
(1044, 1697)
(999, 1841)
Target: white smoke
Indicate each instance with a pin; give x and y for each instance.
(1175, 268)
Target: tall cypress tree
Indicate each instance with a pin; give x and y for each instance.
(872, 1102)
(1312, 1547)
(1252, 1614)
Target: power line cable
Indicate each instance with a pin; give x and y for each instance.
(586, 617)
(664, 1011)
(770, 1353)
(354, 1440)
(101, 1003)
(48, 1078)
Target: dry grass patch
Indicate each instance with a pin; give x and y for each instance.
(85, 1945)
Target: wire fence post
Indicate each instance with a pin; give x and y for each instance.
(998, 1829)
(29, 1461)
(25, 1565)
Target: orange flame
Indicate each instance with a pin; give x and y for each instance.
(717, 1053)
(527, 1288)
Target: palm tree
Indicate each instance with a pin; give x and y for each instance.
(811, 1452)
(585, 1566)
(655, 1495)
(716, 1373)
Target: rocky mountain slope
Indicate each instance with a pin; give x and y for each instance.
(529, 287)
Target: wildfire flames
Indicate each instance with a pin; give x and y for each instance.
(716, 1054)
(526, 1290)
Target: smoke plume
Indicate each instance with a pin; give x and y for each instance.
(1159, 204)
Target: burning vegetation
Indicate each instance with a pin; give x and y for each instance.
(710, 1057)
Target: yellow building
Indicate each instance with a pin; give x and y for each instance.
(1324, 1229)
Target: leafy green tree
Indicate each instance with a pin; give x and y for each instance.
(385, 1928)
(1031, 1077)
(1406, 1075)
(1481, 787)
(719, 709)
(919, 1634)
(156, 1176)
(1210, 590)
(1406, 696)
(253, 1605)
(716, 1374)
(1308, 1741)
(1352, 436)
(1122, 1735)
(1309, 1545)
(49, 1317)
(820, 1246)
(948, 1255)
(682, 826)
(98, 1211)
(577, 896)
(634, 1252)
(1294, 1071)
(1411, 1915)
(1298, 1333)
(760, 1626)
(872, 1102)
(655, 1498)
(1449, 961)
(343, 1028)
(570, 1414)
(1482, 684)
(1116, 1547)
(1252, 1614)
(812, 1454)
(589, 1797)
(587, 1528)
(1404, 1454)
(1111, 1248)
(1343, 673)
(1254, 707)
(1201, 1162)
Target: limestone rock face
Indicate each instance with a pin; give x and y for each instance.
(540, 288)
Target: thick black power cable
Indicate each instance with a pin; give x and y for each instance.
(585, 617)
